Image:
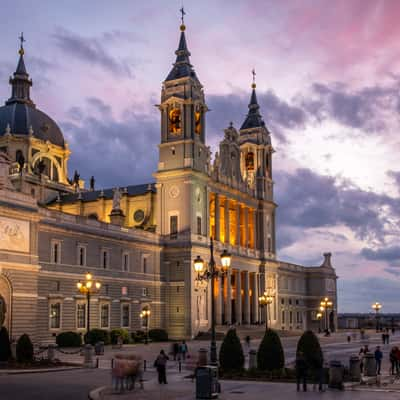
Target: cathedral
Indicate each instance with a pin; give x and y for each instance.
(140, 241)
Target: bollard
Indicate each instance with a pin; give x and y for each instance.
(97, 362)
(203, 357)
(369, 365)
(336, 372)
(144, 365)
(88, 356)
(112, 363)
(354, 369)
(50, 352)
(252, 359)
(179, 366)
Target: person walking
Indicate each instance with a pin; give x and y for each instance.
(393, 361)
(361, 356)
(161, 365)
(175, 350)
(301, 371)
(183, 350)
(378, 359)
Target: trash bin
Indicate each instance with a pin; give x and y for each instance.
(354, 369)
(207, 386)
(99, 349)
(336, 372)
(369, 365)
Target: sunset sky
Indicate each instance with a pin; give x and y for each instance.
(328, 80)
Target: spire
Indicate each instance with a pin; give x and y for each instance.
(182, 67)
(253, 118)
(20, 81)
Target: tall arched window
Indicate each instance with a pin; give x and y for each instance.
(250, 161)
(175, 121)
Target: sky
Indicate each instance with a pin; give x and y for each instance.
(328, 80)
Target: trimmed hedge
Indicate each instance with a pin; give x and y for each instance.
(5, 346)
(69, 339)
(270, 355)
(24, 349)
(97, 335)
(158, 335)
(309, 345)
(231, 356)
(120, 332)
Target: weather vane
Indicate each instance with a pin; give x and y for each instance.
(22, 40)
(254, 75)
(182, 10)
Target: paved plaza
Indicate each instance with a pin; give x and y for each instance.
(76, 384)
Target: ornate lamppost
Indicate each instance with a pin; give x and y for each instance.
(88, 287)
(146, 314)
(377, 306)
(210, 274)
(326, 304)
(264, 301)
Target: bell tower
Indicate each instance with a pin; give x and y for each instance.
(256, 166)
(183, 111)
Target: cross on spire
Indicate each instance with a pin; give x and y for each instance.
(182, 11)
(22, 40)
(253, 72)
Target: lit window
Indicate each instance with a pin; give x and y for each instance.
(105, 316)
(81, 315)
(124, 291)
(125, 315)
(55, 315)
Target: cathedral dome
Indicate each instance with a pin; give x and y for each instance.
(23, 119)
(19, 116)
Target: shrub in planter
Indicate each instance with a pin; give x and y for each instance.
(309, 345)
(24, 349)
(231, 356)
(158, 335)
(120, 332)
(97, 335)
(270, 354)
(69, 339)
(5, 347)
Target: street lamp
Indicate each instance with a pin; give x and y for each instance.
(146, 314)
(209, 274)
(88, 287)
(264, 301)
(326, 304)
(377, 306)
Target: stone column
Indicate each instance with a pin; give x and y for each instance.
(238, 303)
(228, 299)
(237, 224)
(246, 226)
(226, 210)
(218, 301)
(255, 297)
(216, 217)
(255, 229)
(246, 297)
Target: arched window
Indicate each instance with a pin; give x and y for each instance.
(175, 121)
(46, 166)
(250, 161)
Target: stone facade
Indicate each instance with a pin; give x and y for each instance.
(140, 241)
